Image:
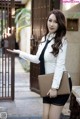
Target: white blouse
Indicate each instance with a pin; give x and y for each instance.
(53, 64)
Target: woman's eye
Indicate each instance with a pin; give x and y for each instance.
(50, 20)
(55, 21)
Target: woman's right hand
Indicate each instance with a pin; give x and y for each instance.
(13, 51)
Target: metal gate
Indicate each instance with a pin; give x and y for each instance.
(6, 41)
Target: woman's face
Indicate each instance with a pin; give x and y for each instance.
(52, 23)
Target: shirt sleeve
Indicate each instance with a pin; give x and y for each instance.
(30, 57)
(60, 65)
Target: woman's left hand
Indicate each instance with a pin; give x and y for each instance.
(52, 93)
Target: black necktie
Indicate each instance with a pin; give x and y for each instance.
(41, 58)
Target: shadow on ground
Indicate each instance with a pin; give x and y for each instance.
(62, 117)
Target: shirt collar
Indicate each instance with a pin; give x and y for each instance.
(50, 36)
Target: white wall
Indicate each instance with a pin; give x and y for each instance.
(73, 53)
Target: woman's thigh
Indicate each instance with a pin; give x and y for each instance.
(46, 108)
(55, 111)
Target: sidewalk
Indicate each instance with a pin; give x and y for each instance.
(27, 104)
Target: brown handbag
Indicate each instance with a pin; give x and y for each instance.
(45, 82)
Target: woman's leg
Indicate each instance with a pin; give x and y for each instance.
(55, 111)
(46, 108)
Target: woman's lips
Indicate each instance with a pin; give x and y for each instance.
(51, 28)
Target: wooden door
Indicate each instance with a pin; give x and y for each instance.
(40, 9)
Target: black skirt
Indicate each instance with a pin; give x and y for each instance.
(60, 99)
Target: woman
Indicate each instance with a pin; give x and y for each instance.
(51, 55)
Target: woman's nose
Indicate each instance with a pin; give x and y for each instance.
(52, 24)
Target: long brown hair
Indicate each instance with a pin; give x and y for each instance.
(61, 31)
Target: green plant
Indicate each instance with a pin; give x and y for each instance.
(22, 20)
